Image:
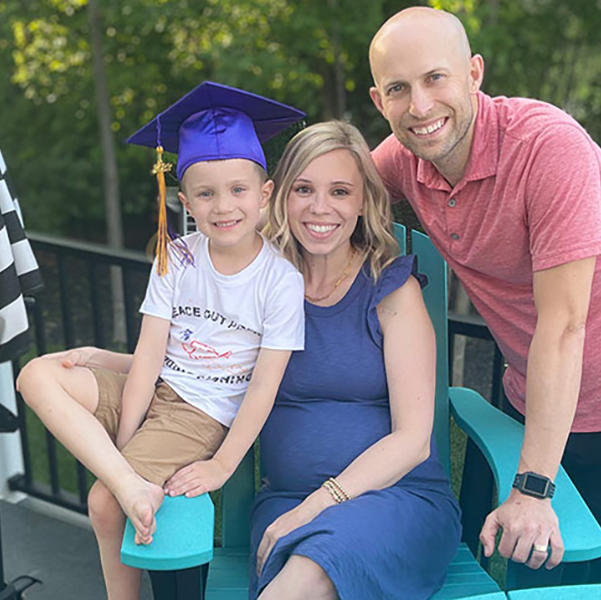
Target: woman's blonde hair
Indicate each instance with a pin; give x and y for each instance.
(373, 233)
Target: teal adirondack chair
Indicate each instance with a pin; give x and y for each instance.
(497, 436)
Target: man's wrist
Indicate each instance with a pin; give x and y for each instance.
(533, 484)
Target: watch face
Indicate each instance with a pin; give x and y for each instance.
(535, 484)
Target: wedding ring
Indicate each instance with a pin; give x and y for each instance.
(540, 548)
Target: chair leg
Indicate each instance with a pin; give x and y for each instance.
(475, 498)
(184, 584)
(595, 572)
(521, 577)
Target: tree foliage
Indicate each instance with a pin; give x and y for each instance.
(312, 55)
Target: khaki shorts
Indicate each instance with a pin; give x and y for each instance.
(172, 435)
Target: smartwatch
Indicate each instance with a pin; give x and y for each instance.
(533, 484)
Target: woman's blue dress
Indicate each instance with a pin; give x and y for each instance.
(332, 405)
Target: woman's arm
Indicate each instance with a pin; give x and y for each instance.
(145, 368)
(205, 476)
(410, 359)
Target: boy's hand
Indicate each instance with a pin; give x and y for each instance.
(77, 357)
(198, 478)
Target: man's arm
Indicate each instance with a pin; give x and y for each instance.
(562, 296)
(146, 366)
(205, 476)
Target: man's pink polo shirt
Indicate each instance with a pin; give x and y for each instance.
(530, 200)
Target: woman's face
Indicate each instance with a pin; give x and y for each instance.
(325, 202)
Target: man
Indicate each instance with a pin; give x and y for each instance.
(509, 190)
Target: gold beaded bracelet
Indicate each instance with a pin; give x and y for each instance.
(337, 485)
(336, 490)
(333, 492)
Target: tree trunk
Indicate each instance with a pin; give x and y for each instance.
(339, 83)
(112, 201)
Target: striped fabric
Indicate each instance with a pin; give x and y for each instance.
(19, 274)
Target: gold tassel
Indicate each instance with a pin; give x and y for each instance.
(159, 169)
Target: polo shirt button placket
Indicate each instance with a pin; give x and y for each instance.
(452, 203)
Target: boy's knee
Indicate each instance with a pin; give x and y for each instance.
(33, 375)
(103, 508)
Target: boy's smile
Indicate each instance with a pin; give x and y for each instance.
(225, 198)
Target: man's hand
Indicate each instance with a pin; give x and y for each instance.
(527, 523)
(198, 478)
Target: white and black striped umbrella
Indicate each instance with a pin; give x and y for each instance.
(19, 273)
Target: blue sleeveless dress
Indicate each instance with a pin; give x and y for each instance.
(332, 405)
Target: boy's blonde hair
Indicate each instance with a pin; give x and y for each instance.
(373, 233)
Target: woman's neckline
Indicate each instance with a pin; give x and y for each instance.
(358, 282)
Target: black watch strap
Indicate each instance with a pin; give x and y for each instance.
(533, 484)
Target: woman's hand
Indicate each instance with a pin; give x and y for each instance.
(197, 478)
(297, 517)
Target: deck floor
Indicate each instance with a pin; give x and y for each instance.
(63, 554)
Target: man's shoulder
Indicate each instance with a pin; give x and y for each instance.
(393, 160)
(526, 119)
(390, 147)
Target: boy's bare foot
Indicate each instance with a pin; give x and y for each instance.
(140, 502)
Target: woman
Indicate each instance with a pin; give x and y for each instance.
(357, 405)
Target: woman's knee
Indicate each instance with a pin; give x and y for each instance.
(303, 575)
(105, 512)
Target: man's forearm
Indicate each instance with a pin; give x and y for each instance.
(552, 389)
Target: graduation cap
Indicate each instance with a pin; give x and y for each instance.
(212, 122)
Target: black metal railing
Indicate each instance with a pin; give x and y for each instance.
(473, 326)
(76, 308)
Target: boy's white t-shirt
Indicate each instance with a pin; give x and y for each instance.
(219, 323)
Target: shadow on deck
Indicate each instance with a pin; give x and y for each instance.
(55, 546)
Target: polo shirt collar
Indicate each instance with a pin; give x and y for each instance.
(484, 155)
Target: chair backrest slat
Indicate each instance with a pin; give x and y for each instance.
(236, 499)
(433, 265)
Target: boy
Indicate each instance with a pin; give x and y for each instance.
(221, 317)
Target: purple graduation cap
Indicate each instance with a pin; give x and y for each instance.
(212, 122)
(217, 122)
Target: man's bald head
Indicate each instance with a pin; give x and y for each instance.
(420, 22)
(426, 85)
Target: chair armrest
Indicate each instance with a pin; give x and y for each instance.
(499, 438)
(183, 538)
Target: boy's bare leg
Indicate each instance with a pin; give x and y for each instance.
(108, 521)
(66, 400)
